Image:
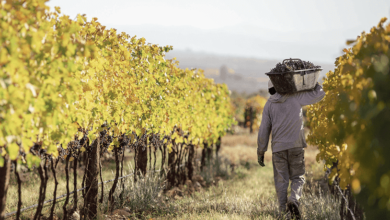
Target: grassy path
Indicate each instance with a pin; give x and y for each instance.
(250, 194)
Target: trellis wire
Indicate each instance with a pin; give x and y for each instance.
(62, 196)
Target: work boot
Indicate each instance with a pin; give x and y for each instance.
(293, 207)
(283, 215)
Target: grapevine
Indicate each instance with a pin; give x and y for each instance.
(74, 90)
(106, 78)
(349, 125)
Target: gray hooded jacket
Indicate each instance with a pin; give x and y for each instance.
(282, 115)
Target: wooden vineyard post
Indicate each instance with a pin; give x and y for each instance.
(252, 112)
(249, 119)
(122, 180)
(218, 147)
(53, 169)
(67, 187)
(180, 171)
(92, 190)
(19, 189)
(246, 118)
(163, 159)
(112, 190)
(142, 158)
(203, 158)
(171, 165)
(42, 170)
(190, 163)
(4, 176)
(209, 153)
(75, 184)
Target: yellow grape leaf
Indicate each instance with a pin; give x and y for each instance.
(52, 149)
(32, 160)
(132, 138)
(13, 151)
(138, 131)
(26, 143)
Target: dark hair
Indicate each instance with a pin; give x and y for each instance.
(272, 90)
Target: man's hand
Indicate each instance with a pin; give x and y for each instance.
(260, 159)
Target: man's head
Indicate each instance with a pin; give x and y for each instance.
(271, 88)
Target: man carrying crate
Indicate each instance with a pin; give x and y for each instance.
(282, 115)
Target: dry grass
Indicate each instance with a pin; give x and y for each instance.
(242, 148)
(30, 189)
(31, 183)
(249, 195)
(240, 139)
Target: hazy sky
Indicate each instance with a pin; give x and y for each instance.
(315, 28)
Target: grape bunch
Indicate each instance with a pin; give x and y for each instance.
(155, 140)
(62, 152)
(73, 148)
(37, 150)
(291, 65)
(123, 140)
(141, 140)
(105, 140)
(84, 141)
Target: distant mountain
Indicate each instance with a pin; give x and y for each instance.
(241, 74)
(243, 40)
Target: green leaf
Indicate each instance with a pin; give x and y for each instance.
(32, 160)
(52, 149)
(13, 151)
(138, 131)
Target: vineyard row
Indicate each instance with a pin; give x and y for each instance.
(72, 87)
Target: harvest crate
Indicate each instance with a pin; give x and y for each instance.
(294, 81)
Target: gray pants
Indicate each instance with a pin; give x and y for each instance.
(289, 165)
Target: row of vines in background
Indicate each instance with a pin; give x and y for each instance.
(61, 80)
(351, 125)
(248, 109)
(253, 112)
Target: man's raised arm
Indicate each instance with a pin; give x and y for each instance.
(310, 97)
